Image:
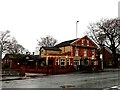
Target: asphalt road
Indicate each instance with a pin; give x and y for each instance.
(71, 80)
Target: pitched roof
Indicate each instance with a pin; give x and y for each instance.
(65, 43)
(33, 57)
(108, 50)
(20, 56)
(13, 56)
(52, 48)
(117, 50)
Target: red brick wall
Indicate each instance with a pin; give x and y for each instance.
(107, 57)
(81, 52)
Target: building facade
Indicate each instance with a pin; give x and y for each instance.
(76, 53)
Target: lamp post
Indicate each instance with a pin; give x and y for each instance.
(102, 38)
(76, 34)
(119, 9)
(76, 28)
(76, 51)
(102, 56)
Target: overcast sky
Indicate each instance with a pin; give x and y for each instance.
(28, 20)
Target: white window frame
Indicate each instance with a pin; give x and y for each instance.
(83, 41)
(67, 61)
(76, 52)
(85, 52)
(87, 42)
(93, 53)
(57, 61)
(62, 60)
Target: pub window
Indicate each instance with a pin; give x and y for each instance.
(68, 62)
(87, 42)
(57, 62)
(82, 41)
(76, 52)
(62, 62)
(93, 52)
(76, 62)
(85, 52)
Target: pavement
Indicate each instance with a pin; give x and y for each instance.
(36, 75)
(111, 69)
(27, 76)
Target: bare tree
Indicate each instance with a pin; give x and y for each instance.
(107, 32)
(4, 41)
(9, 44)
(47, 41)
(15, 48)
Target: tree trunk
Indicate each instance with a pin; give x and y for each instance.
(115, 62)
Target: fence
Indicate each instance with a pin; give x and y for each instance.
(10, 71)
(51, 70)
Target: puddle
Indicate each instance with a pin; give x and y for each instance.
(7, 82)
(67, 86)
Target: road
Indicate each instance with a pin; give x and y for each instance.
(76, 80)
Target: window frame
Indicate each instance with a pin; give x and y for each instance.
(76, 52)
(85, 53)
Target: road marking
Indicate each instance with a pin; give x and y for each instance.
(114, 87)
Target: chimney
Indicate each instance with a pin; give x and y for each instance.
(33, 53)
(26, 53)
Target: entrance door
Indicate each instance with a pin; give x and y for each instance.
(50, 67)
(76, 64)
(50, 62)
